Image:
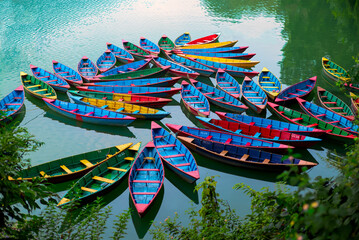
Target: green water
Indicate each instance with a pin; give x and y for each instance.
(289, 38)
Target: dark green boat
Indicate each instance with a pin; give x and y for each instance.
(166, 44)
(302, 119)
(65, 169)
(103, 178)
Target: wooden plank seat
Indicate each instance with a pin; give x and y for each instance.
(43, 174)
(40, 90)
(228, 141)
(148, 169)
(44, 77)
(270, 86)
(321, 115)
(217, 98)
(294, 94)
(182, 164)
(330, 102)
(297, 119)
(301, 90)
(144, 193)
(223, 153)
(265, 77)
(86, 163)
(88, 189)
(117, 169)
(225, 83)
(208, 93)
(159, 137)
(313, 125)
(102, 179)
(244, 157)
(195, 102)
(120, 109)
(250, 92)
(62, 72)
(333, 122)
(146, 181)
(129, 158)
(209, 137)
(266, 161)
(202, 108)
(149, 158)
(191, 97)
(174, 156)
(65, 169)
(336, 108)
(74, 110)
(12, 104)
(33, 86)
(229, 87)
(166, 146)
(89, 113)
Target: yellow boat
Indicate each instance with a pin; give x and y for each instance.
(233, 62)
(211, 45)
(124, 108)
(334, 71)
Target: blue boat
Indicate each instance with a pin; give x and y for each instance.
(219, 97)
(301, 89)
(227, 83)
(130, 67)
(194, 100)
(253, 95)
(121, 55)
(146, 178)
(213, 50)
(11, 104)
(328, 116)
(174, 154)
(106, 61)
(66, 73)
(270, 124)
(242, 56)
(54, 81)
(141, 82)
(149, 46)
(233, 70)
(269, 83)
(183, 39)
(88, 114)
(175, 68)
(233, 140)
(148, 91)
(87, 69)
(197, 67)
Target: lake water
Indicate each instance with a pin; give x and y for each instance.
(288, 37)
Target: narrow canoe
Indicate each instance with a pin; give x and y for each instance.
(334, 71)
(213, 50)
(36, 87)
(334, 104)
(121, 55)
(243, 157)
(234, 71)
(174, 154)
(328, 116)
(233, 62)
(146, 178)
(148, 91)
(54, 81)
(87, 69)
(11, 104)
(141, 82)
(126, 98)
(203, 40)
(136, 111)
(88, 114)
(194, 100)
(72, 167)
(271, 124)
(292, 116)
(270, 84)
(219, 97)
(129, 67)
(166, 44)
(211, 45)
(301, 89)
(102, 179)
(143, 73)
(354, 103)
(278, 136)
(149, 46)
(195, 66)
(183, 39)
(253, 95)
(136, 51)
(240, 56)
(175, 68)
(106, 61)
(66, 73)
(233, 140)
(227, 83)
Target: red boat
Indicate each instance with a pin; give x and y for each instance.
(207, 39)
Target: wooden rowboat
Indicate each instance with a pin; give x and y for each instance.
(121, 55)
(278, 136)
(136, 51)
(141, 82)
(354, 103)
(227, 83)
(270, 84)
(129, 67)
(87, 69)
(136, 111)
(54, 81)
(211, 45)
(243, 157)
(204, 40)
(102, 179)
(301, 89)
(146, 178)
(66, 73)
(334, 104)
(11, 104)
(126, 98)
(149, 46)
(219, 97)
(334, 71)
(233, 140)
(183, 39)
(194, 100)
(88, 114)
(72, 167)
(36, 87)
(212, 50)
(166, 44)
(238, 56)
(174, 154)
(106, 61)
(253, 95)
(175, 68)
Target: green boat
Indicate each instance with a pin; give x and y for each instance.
(334, 71)
(103, 178)
(36, 87)
(334, 104)
(166, 44)
(302, 119)
(68, 168)
(144, 73)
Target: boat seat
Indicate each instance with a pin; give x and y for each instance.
(269, 126)
(159, 137)
(174, 156)
(300, 90)
(194, 102)
(248, 144)
(191, 97)
(46, 94)
(336, 108)
(10, 104)
(208, 93)
(44, 77)
(102, 179)
(223, 153)
(209, 137)
(120, 109)
(257, 134)
(65, 169)
(217, 98)
(74, 110)
(137, 111)
(312, 125)
(37, 85)
(321, 115)
(89, 113)
(252, 123)
(229, 140)
(329, 102)
(17, 97)
(270, 87)
(276, 138)
(54, 80)
(244, 157)
(294, 94)
(27, 81)
(129, 158)
(229, 87)
(117, 169)
(166, 146)
(266, 161)
(62, 72)
(297, 119)
(238, 131)
(148, 169)
(182, 164)
(40, 90)
(250, 92)
(86, 163)
(146, 181)
(144, 193)
(265, 77)
(149, 158)
(201, 108)
(333, 122)
(88, 189)
(42, 173)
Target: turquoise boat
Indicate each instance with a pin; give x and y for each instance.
(11, 104)
(253, 95)
(121, 55)
(270, 84)
(227, 83)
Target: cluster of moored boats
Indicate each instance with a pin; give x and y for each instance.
(131, 83)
